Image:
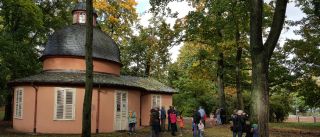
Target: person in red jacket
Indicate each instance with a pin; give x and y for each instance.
(173, 122)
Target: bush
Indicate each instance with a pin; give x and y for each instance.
(279, 108)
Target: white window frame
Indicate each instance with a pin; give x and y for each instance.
(64, 89)
(18, 105)
(82, 17)
(115, 110)
(155, 96)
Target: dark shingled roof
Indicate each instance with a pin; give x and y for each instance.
(70, 41)
(99, 79)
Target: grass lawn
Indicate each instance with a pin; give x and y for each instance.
(276, 130)
(294, 125)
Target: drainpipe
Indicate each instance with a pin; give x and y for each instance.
(98, 111)
(141, 95)
(35, 109)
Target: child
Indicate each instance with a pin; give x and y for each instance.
(254, 130)
(180, 122)
(201, 129)
(212, 119)
(132, 120)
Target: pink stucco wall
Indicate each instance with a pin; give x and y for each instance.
(145, 110)
(134, 104)
(73, 63)
(166, 101)
(26, 123)
(106, 110)
(45, 110)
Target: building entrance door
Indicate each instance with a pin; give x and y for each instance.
(121, 110)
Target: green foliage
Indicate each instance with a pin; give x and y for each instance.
(148, 53)
(20, 18)
(24, 27)
(305, 54)
(279, 107)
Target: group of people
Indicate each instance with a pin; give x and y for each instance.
(198, 122)
(239, 120)
(158, 121)
(240, 125)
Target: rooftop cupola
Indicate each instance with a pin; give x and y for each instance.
(79, 14)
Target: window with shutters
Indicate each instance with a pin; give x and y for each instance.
(64, 104)
(18, 103)
(82, 17)
(156, 101)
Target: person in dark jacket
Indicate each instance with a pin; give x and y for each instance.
(163, 117)
(155, 122)
(223, 116)
(169, 112)
(195, 121)
(238, 123)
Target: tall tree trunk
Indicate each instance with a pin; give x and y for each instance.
(220, 81)
(260, 93)
(238, 76)
(260, 56)
(8, 108)
(147, 71)
(86, 116)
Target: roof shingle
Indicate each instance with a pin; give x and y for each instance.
(99, 79)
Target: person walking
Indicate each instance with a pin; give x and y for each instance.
(155, 122)
(173, 120)
(163, 117)
(132, 120)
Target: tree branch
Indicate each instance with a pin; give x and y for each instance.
(256, 25)
(276, 27)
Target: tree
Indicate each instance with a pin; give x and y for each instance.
(86, 115)
(192, 74)
(117, 18)
(306, 53)
(260, 56)
(18, 53)
(148, 52)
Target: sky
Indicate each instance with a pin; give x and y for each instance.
(293, 13)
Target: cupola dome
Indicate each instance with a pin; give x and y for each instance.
(70, 41)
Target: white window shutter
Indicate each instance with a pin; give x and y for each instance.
(156, 101)
(19, 103)
(69, 105)
(65, 104)
(60, 104)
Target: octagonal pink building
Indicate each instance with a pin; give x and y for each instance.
(51, 102)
